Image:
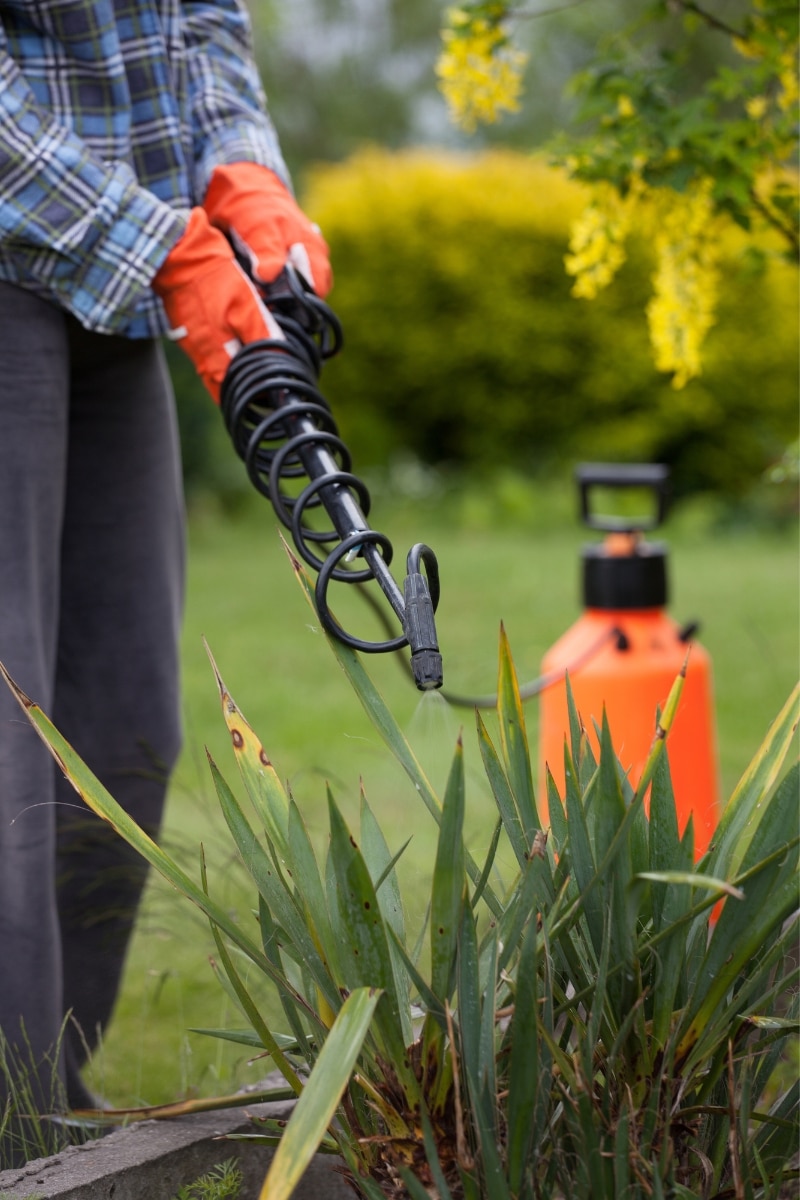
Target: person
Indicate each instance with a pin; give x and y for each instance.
(136, 151)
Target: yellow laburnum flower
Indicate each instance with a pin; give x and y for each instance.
(597, 240)
(756, 107)
(480, 74)
(747, 49)
(686, 281)
(790, 84)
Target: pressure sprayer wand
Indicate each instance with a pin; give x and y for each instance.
(282, 428)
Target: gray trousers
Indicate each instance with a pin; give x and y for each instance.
(91, 583)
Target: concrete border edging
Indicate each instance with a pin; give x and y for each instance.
(151, 1160)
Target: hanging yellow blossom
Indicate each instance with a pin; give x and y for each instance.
(790, 85)
(686, 240)
(597, 240)
(756, 107)
(685, 284)
(480, 73)
(747, 48)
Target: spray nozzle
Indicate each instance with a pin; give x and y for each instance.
(420, 597)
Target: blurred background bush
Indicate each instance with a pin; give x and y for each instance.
(465, 349)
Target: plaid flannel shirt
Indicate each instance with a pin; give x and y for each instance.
(113, 114)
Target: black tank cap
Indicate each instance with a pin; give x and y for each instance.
(625, 581)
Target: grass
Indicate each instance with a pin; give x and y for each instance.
(496, 564)
(29, 1088)
(223, 1182)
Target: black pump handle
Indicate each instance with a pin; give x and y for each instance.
(623, 475)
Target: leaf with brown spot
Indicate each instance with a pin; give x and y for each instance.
(263, 785)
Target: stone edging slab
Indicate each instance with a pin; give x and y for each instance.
(151, 1160)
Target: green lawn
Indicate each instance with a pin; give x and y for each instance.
(244, 600)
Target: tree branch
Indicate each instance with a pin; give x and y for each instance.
(713, 22)
(784, 228)
(526, 13)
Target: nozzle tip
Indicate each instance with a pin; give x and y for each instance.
(427, 668)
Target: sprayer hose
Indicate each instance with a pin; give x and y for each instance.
(282, 428)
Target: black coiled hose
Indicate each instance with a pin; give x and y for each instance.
(282, 428)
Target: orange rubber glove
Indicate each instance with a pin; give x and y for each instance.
(212, 306)
(261, 217)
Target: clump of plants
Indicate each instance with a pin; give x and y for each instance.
(607, 1019)
(28, 1089)
(222, 1182)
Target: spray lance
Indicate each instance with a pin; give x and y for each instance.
(282, 428)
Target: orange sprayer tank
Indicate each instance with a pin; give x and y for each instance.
(624, 653)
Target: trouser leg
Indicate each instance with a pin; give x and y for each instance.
(91, 562)
(34, 364)
(116, 687)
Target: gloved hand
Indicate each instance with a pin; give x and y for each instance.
(211, 304)
(260, 216)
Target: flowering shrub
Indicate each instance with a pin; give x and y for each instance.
(463, 346)
(688, 165)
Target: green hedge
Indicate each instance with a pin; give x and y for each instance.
(464, 346)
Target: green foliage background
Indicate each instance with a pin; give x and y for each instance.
(464, 347)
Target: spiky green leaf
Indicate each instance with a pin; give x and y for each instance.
(514, 742)
(448, 891)
(364, 953)
(320, 1097)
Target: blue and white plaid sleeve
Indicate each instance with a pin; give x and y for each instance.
(72, 226)
(228, 108)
